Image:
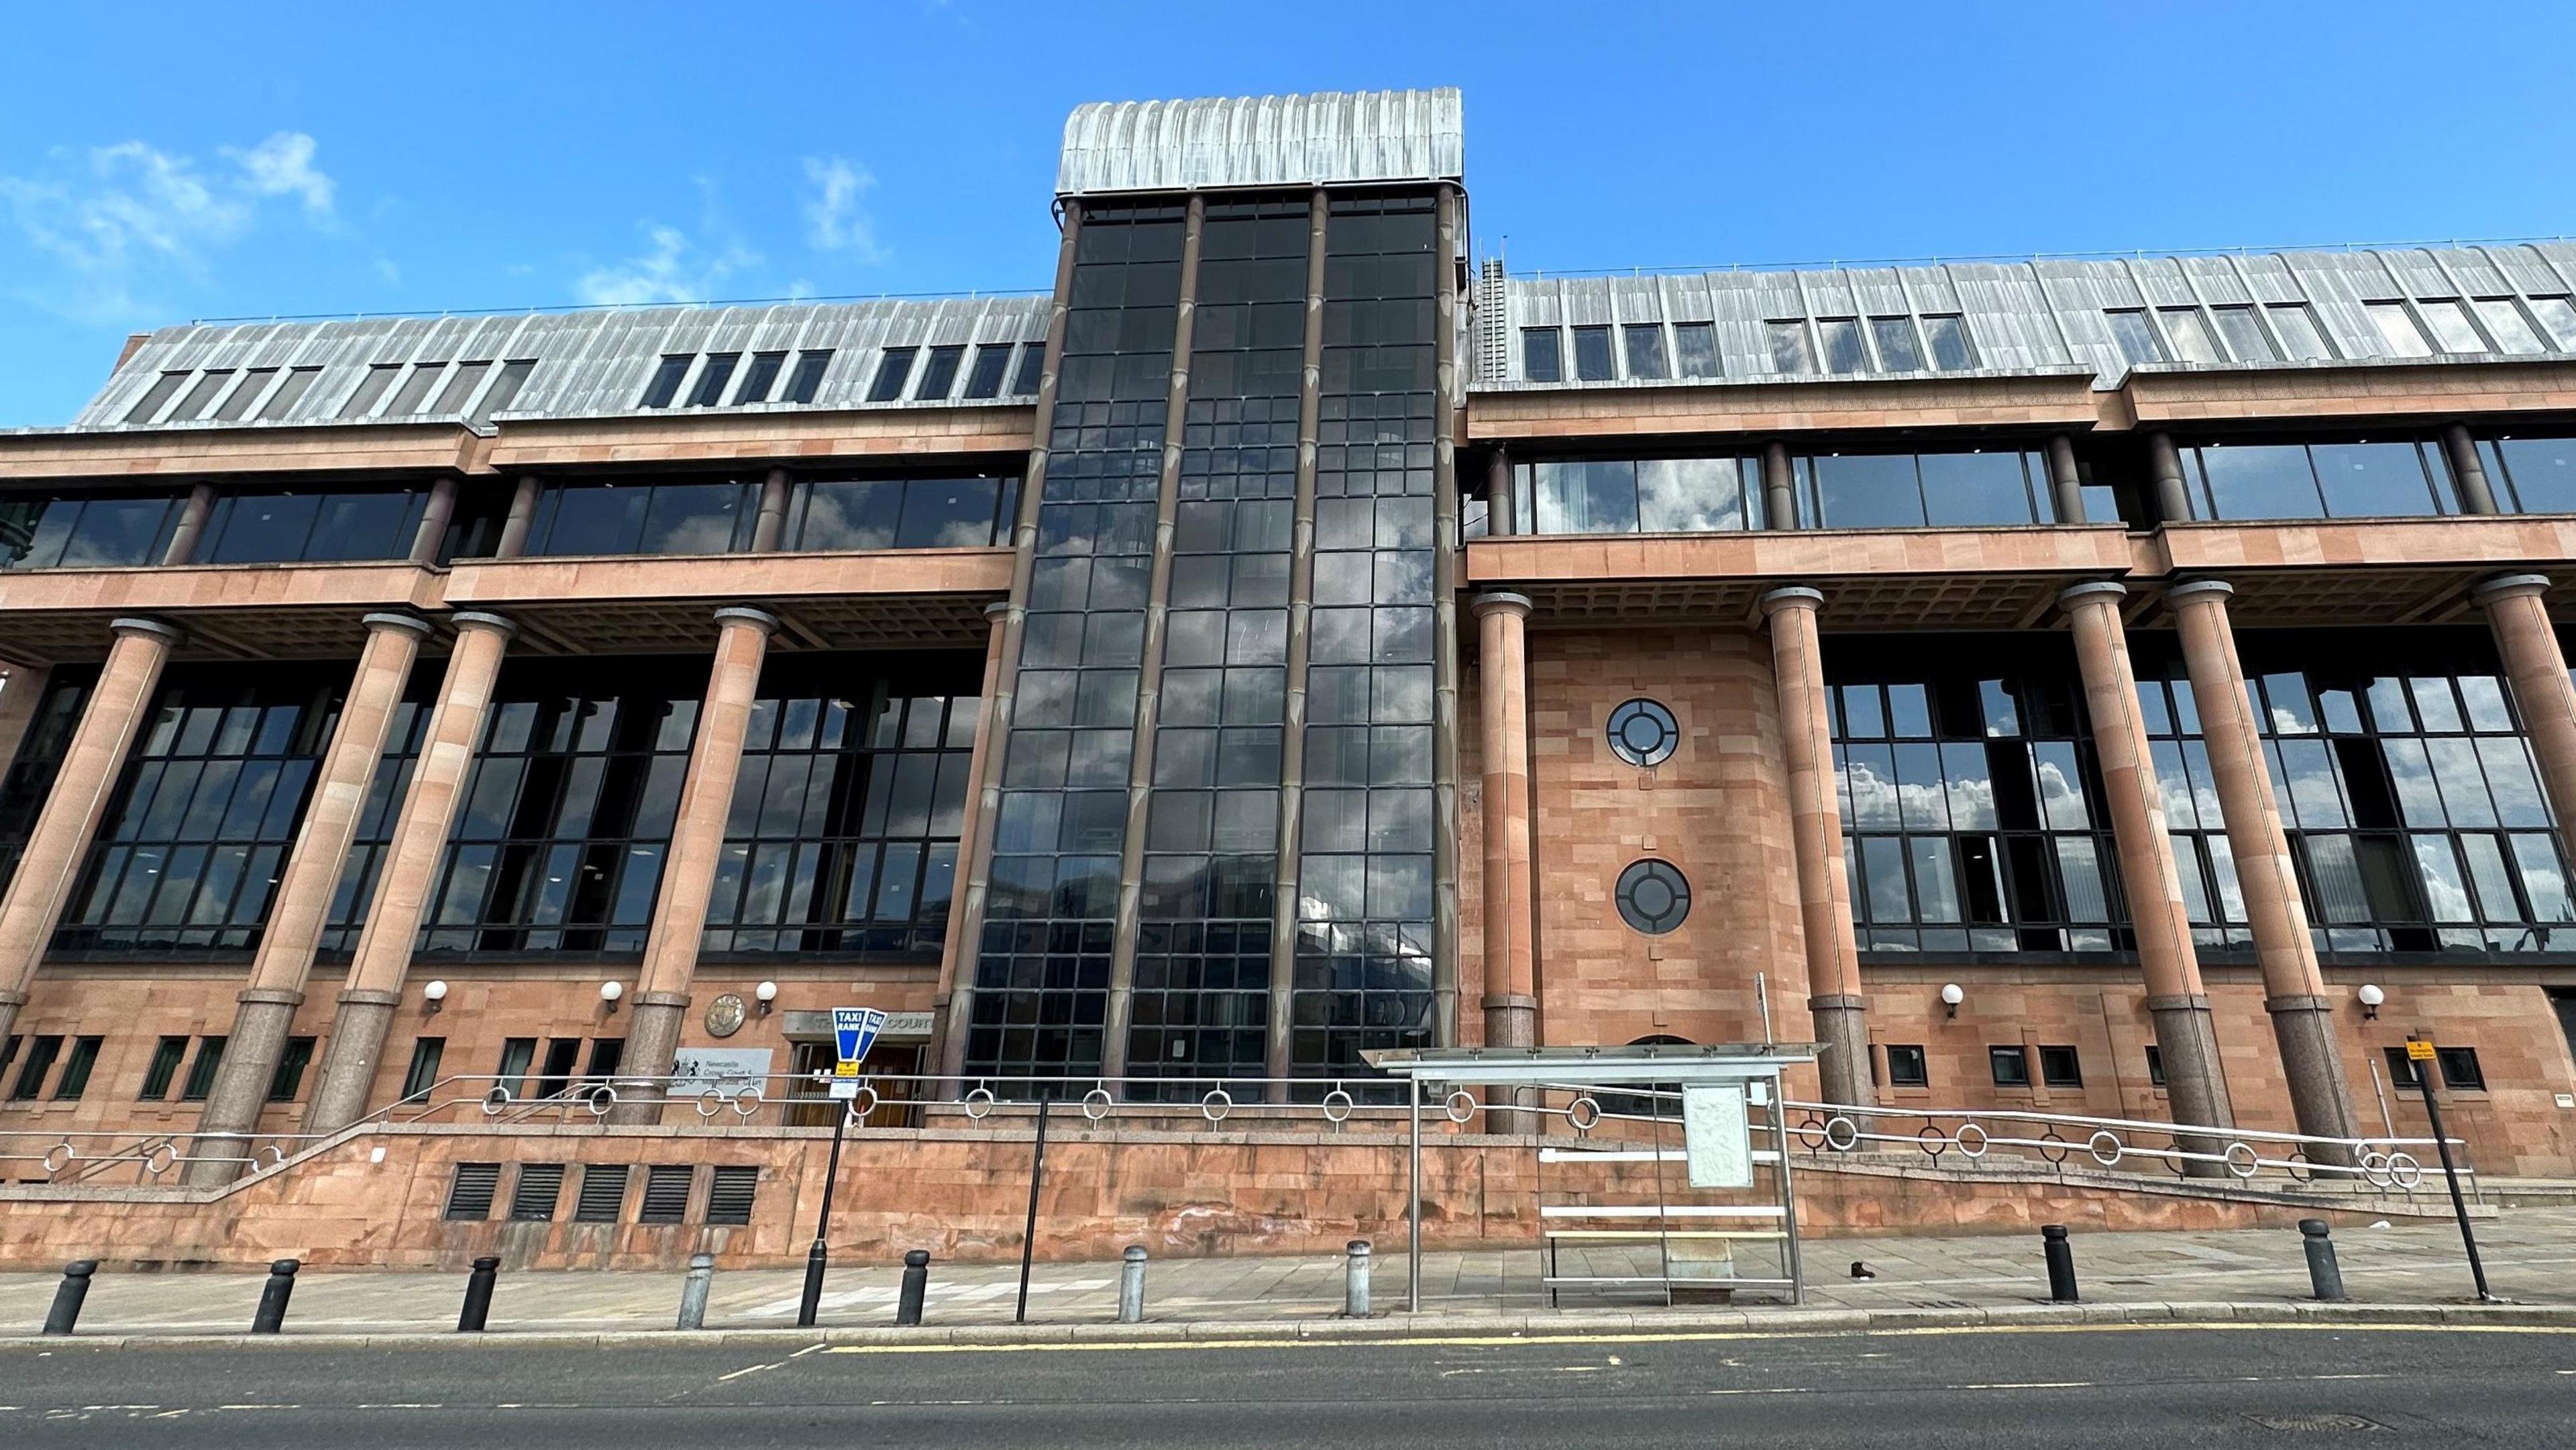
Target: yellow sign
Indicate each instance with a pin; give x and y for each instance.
(851, 1069)
(2418, 1050)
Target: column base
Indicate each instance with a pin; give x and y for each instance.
(261, 1025)
(652, 1046)
(1842, 1026)
(349, 1064)
(2320, 1096)
(2194, 1088)
(1511, 1020)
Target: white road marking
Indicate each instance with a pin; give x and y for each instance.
(754, 1369)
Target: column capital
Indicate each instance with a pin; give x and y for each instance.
(2106, 590)
(2510, 586)
(1500, 601)
(760, 619)
(271, 996)
(9, 998)
(480, 619)
(998, 610)
(2192, 591)
(411, 624)
(1794, 596)
(142, 625)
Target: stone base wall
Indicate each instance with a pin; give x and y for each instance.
(378, 1199)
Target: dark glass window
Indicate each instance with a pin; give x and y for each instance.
(892, 371)
(939, 375)
(2155, 1066)
(645, 518)
(1653, 495)
(1790, 351)
(288, 1080)
(163, 1070)
(2010, 1065)
(1697, 344)
(256, 381)
(2061, 1067)
(1643, 733)
(518, 1054)
(280, 526)
(375, 829)
(1592, 355)
(1897, 352)
(2317, 480)
(807, 380)
(201, 1070)
(760, 377)
(1032, 370)
(895, 513)
(85, 530)
(197, 830)
(712, 379)
(422, 1075)
(1911, 490)
(299, 381)
(843, 830)
(148, 408)
(559, 843)
(1645, 343)
(30, 776)
(370, 390)
(992, 360)
(1971, 807)
(1541, 354)
(666, 380)
(1653, 897)
(1948, 335)
(1907, 1066)
(2414, 812)
(1843, 350)
(2529, 475)
(42, 1049)
(76, 1069)
(2460, 1070)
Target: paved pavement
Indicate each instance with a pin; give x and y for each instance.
(2530, 1256)
(2104, 1389)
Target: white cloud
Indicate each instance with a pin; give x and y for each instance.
(118, 217)
(671, 269)
(833, 220)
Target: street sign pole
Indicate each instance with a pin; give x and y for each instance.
(2420, 1054)
(854, 1031)
(816, 1256)
(1029, 1238)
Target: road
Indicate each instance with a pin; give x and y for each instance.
(2104, 1389)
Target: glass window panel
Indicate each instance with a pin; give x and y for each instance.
(238, 401)
(370, 389)
(2297, 326)
(1645, 344)
(1948, 336)
(992, 362)
(2506, 324)
(1869, 773)
(2260, 481)
(693, 518)
(1790, 351)
(2061, 787)
(1971, 786)
(2244, 335)
(2484, 695)
(939, 375)
(1587, 497)
(852, 514)
(1909, 712)
(1690, 495)
(2544, 880)
(2307, 768)
(2290, 711)
(1895, 338)
(807, 380)
(1592, 355)
(2492, 879)
(1921, 794)
(893, 370)
(760, 377)
(2365, 480)
(2437, 868)
(2451, 327)
(1869, 490)
(1976, 488)
(1540, 355)
(1843, 350)
(1883, 867)
(2410, 771)
(2136, 340)
(665, 383)
(1935, 888)
(1697, 344)
(2434, 704)
(2516, 792)
(2190, 333)
(2079, 867)
(2397, 329)
(2557, 316)
(2340, 893)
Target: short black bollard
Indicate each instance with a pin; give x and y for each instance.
(478, 1296)
(271, 1316)
(2061, 1263)
(812, 1302)
(2325, 1276)
(916, 1285)
(68, 1296)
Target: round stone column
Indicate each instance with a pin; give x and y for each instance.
(407, 871)
(2528, 645)
(955, 1003)
(1502, 699)
(2194, 1083)
(265, 1017)
(2294, 989)
(1816, 831)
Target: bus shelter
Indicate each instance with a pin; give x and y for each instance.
(1708, 1119)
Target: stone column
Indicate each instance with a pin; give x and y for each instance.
(22, 690)
(58, 844)
(407, 871)
(2065, 480)
(1502, 511)
(1779, 487)
(771, 526)
(191, 528)
(434, 517)
(1816, 833)
(1502, 699)
(265, 1017)
(2194, 1082)
(2477, 492)
(697, 844)
(2528, 644)
(523, 512)
(955, 1004)
(2164, 465)
(2294, 990)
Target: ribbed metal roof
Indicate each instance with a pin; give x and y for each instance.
(2049, 315)
(1322, 139)
(587, 364)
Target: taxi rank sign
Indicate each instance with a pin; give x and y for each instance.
(854, 1031)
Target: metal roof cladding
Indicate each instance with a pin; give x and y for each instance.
(2049, 315)
(1325, 138)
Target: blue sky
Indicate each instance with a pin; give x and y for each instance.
(164, 164)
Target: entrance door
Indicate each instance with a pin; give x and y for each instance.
(893, 1069)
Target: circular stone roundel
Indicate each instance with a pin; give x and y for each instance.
(1643, 733)
(1653, 897)
(724, 1016)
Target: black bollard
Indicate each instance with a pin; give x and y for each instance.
(271, 1316)
(916, 1285)
(812, 1302)
(478, 1296)
(2325, 1276)
(2061, 1263)
(68, 1296)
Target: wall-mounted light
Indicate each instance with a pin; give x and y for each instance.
(609, 992)
(433, 995)
(2371, 997)
(766, 994)
(1952, 994)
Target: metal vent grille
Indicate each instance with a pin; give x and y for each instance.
(729, 1196)
(666, 1193)
(603, 1193)
(532, 1199)
(470, 1195)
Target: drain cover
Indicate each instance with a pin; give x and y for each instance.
(2316, 1420)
